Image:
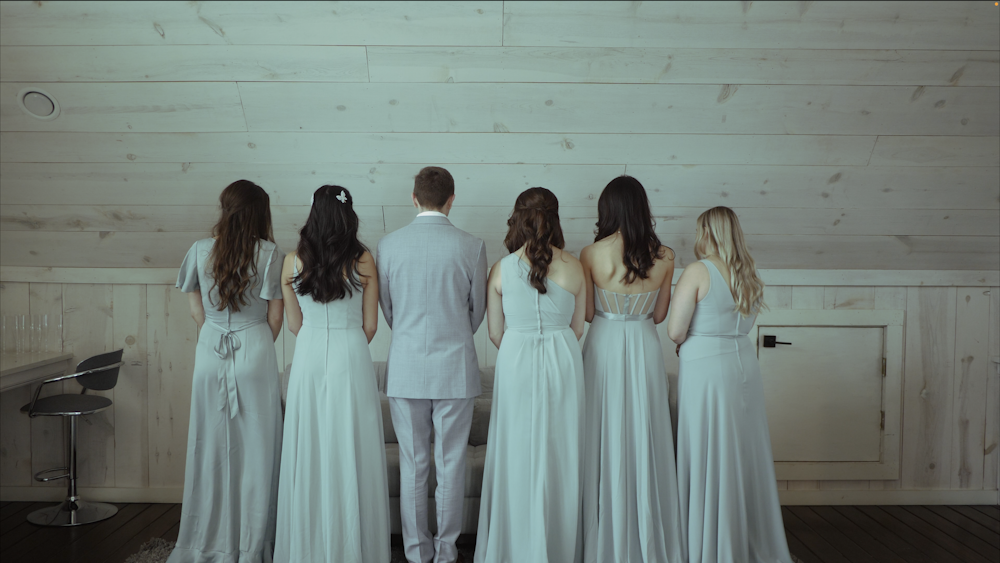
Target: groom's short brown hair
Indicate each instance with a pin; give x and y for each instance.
(433, 186)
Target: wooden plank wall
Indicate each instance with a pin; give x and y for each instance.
(949, 397)
(847, 135)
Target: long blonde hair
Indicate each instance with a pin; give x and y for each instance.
(719, 231)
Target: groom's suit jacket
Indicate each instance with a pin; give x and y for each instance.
(432, 288)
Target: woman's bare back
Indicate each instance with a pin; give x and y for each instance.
(605, 259)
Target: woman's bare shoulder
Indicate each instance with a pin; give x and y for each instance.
(666, 253)
(565, 257)
(694, 271)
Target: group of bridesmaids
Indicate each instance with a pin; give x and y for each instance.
(580, 463)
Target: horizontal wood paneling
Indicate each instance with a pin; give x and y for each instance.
(293, 184)
(670, 220)
(157, 250)
(936, 151)
(843, 66)
(422, 148)
(155, 218)
(250, 23)
(130, 107)
(754, 221)
(774, 25)
(111, 249)
(651, 108)
(824, 252)
(115, 249)
(845, 187)
(187, 63)
(323, 63)
(823, 187)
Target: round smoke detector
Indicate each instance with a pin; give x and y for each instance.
(38, 104)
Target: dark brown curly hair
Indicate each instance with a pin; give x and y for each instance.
(244, 222)
(534, 224)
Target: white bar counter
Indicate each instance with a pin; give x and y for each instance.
(23, 369)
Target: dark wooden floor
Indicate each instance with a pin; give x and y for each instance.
(816, 534)
(111, 540)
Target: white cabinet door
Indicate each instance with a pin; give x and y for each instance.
(824, 392)
(834, 394)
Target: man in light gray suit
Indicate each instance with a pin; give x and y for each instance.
(432, 288)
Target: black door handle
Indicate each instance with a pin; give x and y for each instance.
(770, 341)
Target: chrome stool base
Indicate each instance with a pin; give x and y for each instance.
(72, 513)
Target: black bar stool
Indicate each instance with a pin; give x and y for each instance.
(99, 373)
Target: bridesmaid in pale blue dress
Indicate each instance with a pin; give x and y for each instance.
(234, 436)
(729, 497)
(532, 483)
(333, 498)
(631, 509)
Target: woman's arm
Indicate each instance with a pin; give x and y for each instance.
(685, 299)
(578, 322)
(369, 303)
(275, 307)
(588, 282)
(197, 308)
(494, 305)
(663, 299)
(293, 312)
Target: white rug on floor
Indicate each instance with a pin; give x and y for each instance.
(155, 550)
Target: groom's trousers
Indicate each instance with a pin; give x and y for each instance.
(450, 421)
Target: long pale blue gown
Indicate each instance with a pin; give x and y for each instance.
(234, 436)
(333, 498)
(532, 483)
(631, 508)
(729, 497)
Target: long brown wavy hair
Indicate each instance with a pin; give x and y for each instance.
(719, 232)
(534, 224)
(624, 207)
(244, 222)
(329, 247)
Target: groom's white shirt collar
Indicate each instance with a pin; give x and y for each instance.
(431, 214)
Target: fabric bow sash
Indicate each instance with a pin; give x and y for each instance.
(229, 343)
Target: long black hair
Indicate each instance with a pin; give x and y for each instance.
(624, 207)
(329, 247)
(534, 224)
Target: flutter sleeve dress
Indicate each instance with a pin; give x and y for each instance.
(234, 435)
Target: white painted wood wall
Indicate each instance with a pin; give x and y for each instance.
(857, 138)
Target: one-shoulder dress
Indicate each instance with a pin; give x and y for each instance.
(532, 482)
